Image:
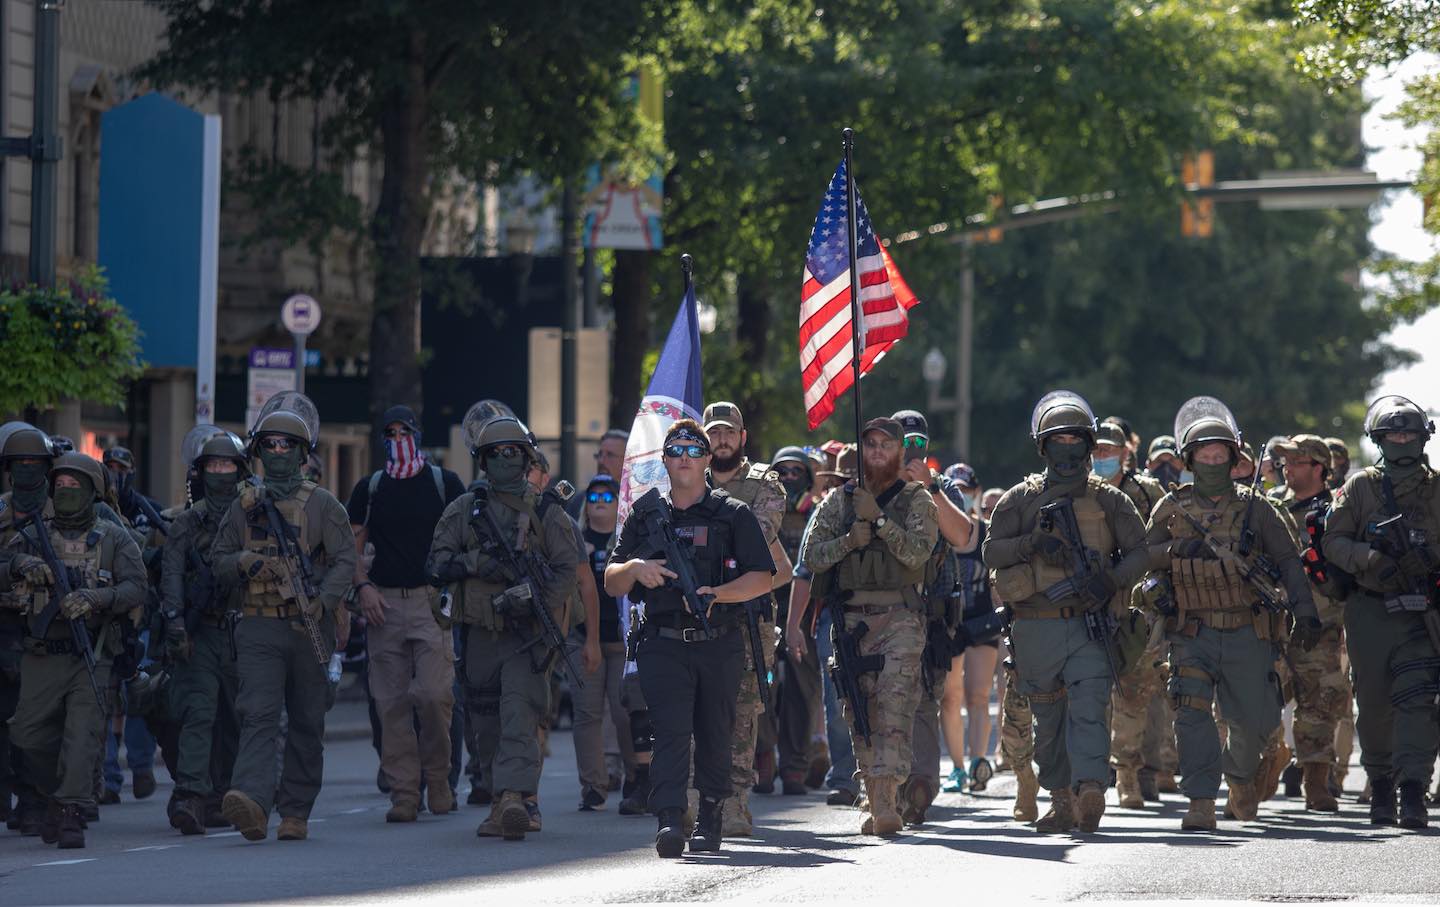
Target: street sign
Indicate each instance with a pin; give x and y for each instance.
(300, 314)
(271, 370)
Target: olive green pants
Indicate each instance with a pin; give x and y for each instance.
(278, 669)
(202, 701)
(1065, 677)
(1396, 679)
(505, 698)
(58, 727)
(1236, 668)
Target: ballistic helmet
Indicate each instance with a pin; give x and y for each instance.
(194, 442)
(21, 439)
(1396, 413)
(303, 424)
(282, 422)
(503, 430)
(79, 464)
(1201, 420)
(1062, 412)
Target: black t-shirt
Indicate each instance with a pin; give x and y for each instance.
(609, 606)
(402, 523)
(745, 551)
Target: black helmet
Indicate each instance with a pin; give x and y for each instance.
(793, 454)
(23, 440)
(1062, 412)
(1396, 413)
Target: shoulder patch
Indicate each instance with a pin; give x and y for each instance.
(762, 471)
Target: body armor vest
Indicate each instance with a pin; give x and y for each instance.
(88, 559)
(873, 568)
(705, 530)
(271, 592)
(1210, 590)
(792, 530)
(1094, 532)
(1413, 495)
(523, 531)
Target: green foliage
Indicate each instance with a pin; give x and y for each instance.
(71, 341)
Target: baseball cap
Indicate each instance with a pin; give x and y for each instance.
(723, 413)
(962, 474)
(844, 464)
(402, 414)
(1163, 444)
(884, 424)
(603, 480)
(1111, 434)
(912, 422)
(1305, 445)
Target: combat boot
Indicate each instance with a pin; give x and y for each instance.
(1127, 787)
(50, 825)
(1165, 783)
(634, 802)
(292, 828)
(1026, 787)
(29, 813)
(1149, 786)
(764, 773)
(71, 832)
(404, 811)
(1382, 800)
(1412, 805)
(886, 818)
(514, 817)
(707, 834)
(1267, 775)
(440, 798)
(1061, 817)
(1090, 806)
(1292, 778)
(490, 828)
(246, 815)
(1242, 802)
(1316, 779)
(532, 809)
(187, 815)
(1201, 816)
(736, 820)
(670, 837)
(214, 818)
(916, 795)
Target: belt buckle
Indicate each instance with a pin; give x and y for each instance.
(692, 634)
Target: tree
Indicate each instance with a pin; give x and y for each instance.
(435, 87)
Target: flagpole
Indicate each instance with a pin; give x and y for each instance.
(687, 266)
(855, 315)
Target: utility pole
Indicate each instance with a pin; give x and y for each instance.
(569, 335)
(43, 147)
(964, 354)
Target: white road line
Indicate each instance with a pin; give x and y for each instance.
(68, 862)
(149, 847)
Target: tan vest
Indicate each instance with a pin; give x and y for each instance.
(474, 601)
(90, 558)
(272, 592)
(874, 568)
(1021, 582)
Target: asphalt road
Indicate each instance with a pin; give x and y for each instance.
(803, 851)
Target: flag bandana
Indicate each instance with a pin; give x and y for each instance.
(403, 458)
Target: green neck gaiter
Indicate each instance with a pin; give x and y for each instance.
(1066, 463)
(221, 489)
(74, 508)
(506, 475)
(282, 471)
(31, 483)
(1212, 479)
(1401, 460)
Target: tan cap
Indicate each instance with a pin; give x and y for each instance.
(1312, 447)
(1111, 434)
(1338, 448)
(723, 413)
(844, 464)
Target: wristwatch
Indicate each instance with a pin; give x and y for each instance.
(881, 521)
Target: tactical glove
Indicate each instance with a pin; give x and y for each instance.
(865, 505)
(255, 566)
(32, 570)
(482, 566)
(1097, 589)
(1050, 549)
(1418, 561)
(177, 641)
(858, 536)
(80, 604)
(1386, 570)
(1307, 632)
(1191, 549)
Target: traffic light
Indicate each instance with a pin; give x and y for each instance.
(1197, 215)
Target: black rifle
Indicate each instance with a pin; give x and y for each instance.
(1395, 539)
(847, 664)
(659, 531)
(199, 591)
(935, 658)
(523, 569)
(1085, 563)
(151, 514)
(1254, 569)
(301, 580)
(757, 649)
(79, 636)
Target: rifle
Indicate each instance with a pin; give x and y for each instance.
(200, 591)
(1396, 539)
(847, 664)
(757, 651)
(301, 581)
(1256, 571)
(523, 568)
(1100, 625)
(63, 587)
(156, 520)
(935, 658)
(658, 530)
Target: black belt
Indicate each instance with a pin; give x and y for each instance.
(686, 634)
(50, 646)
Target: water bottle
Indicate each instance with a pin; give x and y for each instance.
(335, 667)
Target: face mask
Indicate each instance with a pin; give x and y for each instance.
(506, 475)
(1066, 461)
(1106, 469)
(794, 490)
(74, 506)
(1166, 474)
(1402, 455)
(221, 487)
(123, 483)
(1212, 479)
(31, 482)
(282, 469)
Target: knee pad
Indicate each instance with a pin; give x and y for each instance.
(642, 734)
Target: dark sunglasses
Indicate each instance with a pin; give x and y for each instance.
(595, 497)
(917, 441)
(506, 451)
(277, 444)
(794, 472)
(693, 451)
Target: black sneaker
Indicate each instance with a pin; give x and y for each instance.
(591, 800)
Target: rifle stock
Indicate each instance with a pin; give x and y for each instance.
(79, 636)
(300, 581)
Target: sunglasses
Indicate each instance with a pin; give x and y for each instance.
(506, 451)
(916, 441)
(277, 444)
(693, 451)
(596, 497)
(791, 472)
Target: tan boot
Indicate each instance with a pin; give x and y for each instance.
(1127, 786)
(245, 814)
(882, 806)
(1267, 775)
(1090, 805)
(490, 828)
(1026, 787)
(1061, 817)
(440, 798)
(1316, 779)
(1201, 816)
(1243, 802)
(1166, 783)
(292, 829)
(514, 817)
(404, 811)
(735, 818)
(916, 795)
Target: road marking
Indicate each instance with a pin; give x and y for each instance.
(224, 834)
(68, 862)
(351, 812)
(149, 847)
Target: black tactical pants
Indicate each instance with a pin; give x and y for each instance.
(690, 689)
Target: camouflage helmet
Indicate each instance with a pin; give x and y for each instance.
(1202, 420)
(503, 430)
(1396, 413)
(1059, 413)
(21, 439)
(79, 464)
(283, 422)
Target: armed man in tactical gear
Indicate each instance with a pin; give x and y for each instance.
(690, 555)
(200, 615)
(499, 553)
(1385, 530)
(1230, 580)
(758, 487)
(287, 544)
(867, 546)
(74, 577)
(1061, 545)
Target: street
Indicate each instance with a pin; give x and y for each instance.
(803, 851)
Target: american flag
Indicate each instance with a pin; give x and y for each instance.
(885, 302)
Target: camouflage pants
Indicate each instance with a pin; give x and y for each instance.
(748, 709)
(1130, 713)
(1322, 698)
(1017, 725)
(892, 694)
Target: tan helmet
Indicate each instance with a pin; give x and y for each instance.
(23, 440)
(282, 422)
(223, 445)
(1061, 412)
(503, 430)
(1203, 420)
(81, 465)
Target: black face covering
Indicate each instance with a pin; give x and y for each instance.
(1166, 474)
(31, 482)
(1066, 462)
